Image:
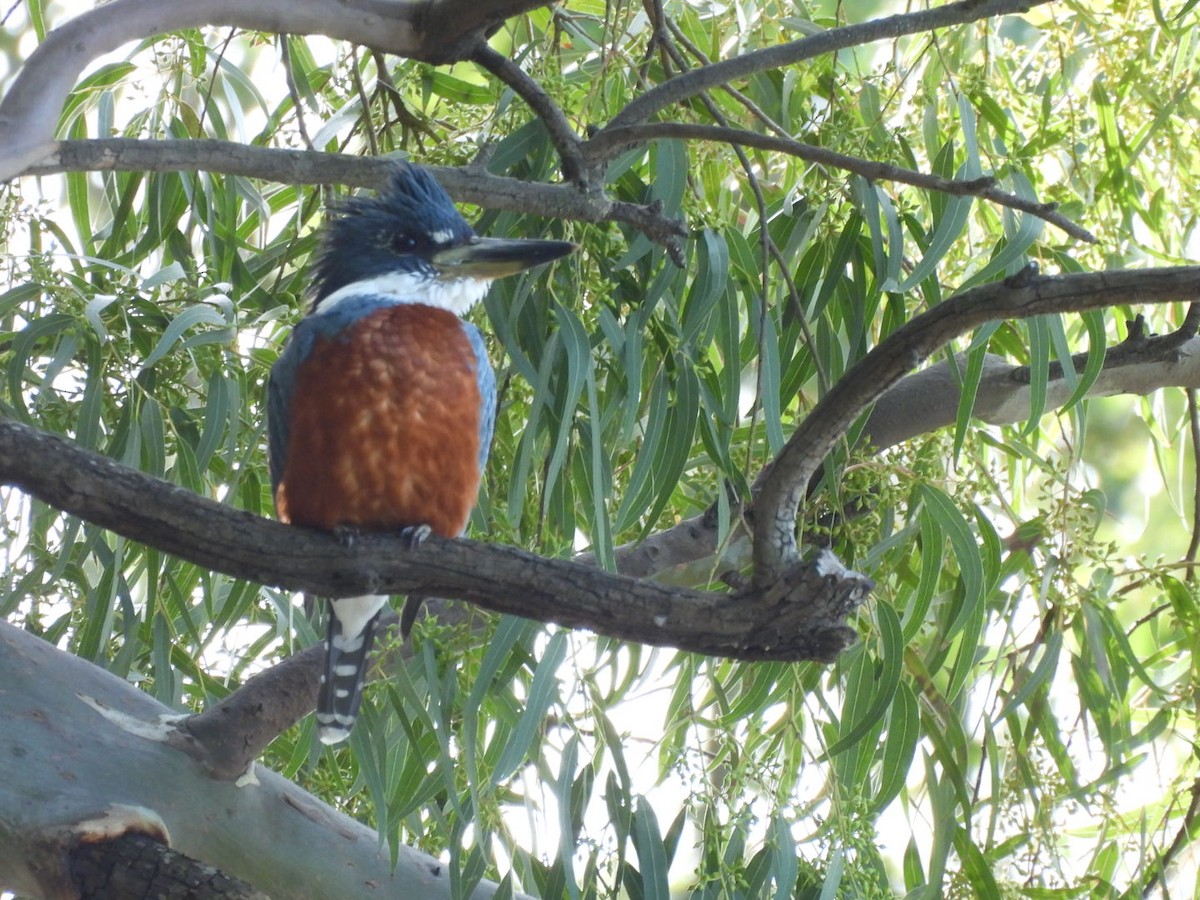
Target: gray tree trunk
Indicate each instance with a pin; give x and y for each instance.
(84, 757)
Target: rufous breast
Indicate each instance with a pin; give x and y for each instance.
(385, 426)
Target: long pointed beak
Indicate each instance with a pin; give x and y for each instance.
(496, 257)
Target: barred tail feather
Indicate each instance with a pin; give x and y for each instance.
(352, 622)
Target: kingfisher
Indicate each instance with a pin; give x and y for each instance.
(381, 406)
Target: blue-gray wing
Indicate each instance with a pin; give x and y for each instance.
(486, 379)
(279, 397)
(283, 374)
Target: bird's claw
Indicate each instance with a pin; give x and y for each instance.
(347, 534)
(414, 535)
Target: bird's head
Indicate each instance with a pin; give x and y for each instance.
(411, 241)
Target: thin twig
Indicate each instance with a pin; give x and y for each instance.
(408, 120)
(12, 9)
(1183, 837)
(611, 141)
(753, 108)
(769, 244)
(562, 135)
(294, 91)
(360, 89)
(212, 82)
(689, 85)
(1194, 431)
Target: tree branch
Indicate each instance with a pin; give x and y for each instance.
(1020, 296)
(611, 141)
(928, 400)
(232, 733)
(229, 735)
(802, 617)
(562, 135)
(718, 74)
(691, 551)
(470, 184)
(436, 31)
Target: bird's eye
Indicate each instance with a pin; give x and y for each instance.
(403, 243)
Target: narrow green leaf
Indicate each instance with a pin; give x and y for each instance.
(833, 876)
(770, 377)
(64, 355)
(670, 174)
(150, 420)
(216, 411)
(542, 692)
(24, 347)
(579, 362)
(975, 867)
(784, 867)
(192, 317)
(965, 660)
(639, 488)
(509, 631)
(950, 226)
(1093, 319)
(37, 18)
(1039, 369)
(566, 832)
(1012, 254)
(527, 447)
(712, 276)
(859, 721)
(900, 746)
(966, 551)
(461, 91)
(652, 857)
(1039, 678)
(600, 482)
(969, 387)
(1120, 642)
(932, 550)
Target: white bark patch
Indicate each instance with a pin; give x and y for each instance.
(151, 731)
(120, 819)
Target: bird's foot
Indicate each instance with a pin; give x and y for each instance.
(346, 534)
(414, 535)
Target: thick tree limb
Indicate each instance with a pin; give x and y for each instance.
(695, 81)
(229, 735)
(135, 866)
(928, 400)
(1024, 295)
(436, 31)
